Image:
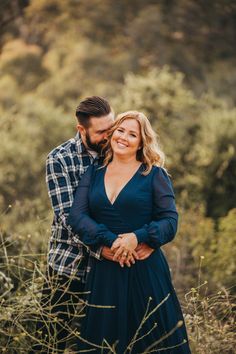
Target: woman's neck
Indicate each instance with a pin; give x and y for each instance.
(124, 162)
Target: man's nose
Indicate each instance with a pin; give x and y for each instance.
(104, 136)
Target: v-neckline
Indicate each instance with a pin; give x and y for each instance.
(124, 186)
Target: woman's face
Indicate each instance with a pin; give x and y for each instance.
(126, 139)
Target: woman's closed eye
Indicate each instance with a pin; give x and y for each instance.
(122, 131)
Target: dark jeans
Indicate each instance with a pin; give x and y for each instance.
(60, 297)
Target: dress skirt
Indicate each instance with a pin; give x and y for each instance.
(133, 310)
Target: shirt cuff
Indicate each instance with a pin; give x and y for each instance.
(142, 235)
(109, 239)
(98, 254)
(105, 236)
(76, 239)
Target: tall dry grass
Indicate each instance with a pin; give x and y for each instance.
(210, 317)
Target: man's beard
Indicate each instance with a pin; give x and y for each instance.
(94, 146)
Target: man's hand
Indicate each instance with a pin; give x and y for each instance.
(107, 253)
(143, 251)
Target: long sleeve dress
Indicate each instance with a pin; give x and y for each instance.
(132, 310)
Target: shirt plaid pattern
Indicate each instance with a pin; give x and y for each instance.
(64, 167)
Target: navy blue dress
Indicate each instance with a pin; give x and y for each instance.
(133, 310)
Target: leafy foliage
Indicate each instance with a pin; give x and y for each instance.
(173, 61)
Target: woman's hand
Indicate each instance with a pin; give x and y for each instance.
(108, 254)
(124, 249)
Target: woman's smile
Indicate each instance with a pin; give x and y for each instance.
(122, 145)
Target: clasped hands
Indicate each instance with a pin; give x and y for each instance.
(125, 250)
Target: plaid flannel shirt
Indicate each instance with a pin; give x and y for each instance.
(64, 167)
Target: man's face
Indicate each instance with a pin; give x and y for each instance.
(94, 136)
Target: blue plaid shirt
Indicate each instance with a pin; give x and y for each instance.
(64, 167)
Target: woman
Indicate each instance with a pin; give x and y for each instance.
(127, 201)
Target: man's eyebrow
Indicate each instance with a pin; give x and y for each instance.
(101, 131)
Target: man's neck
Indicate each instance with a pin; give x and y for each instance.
(92, 152)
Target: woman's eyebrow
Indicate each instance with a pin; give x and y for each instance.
(130, 131)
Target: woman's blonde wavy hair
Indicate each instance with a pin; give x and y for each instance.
(150, 153)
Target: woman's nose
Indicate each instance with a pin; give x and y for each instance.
(124, 136)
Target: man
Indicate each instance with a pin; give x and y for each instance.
(68, 258)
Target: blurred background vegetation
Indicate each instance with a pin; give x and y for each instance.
(176, 62)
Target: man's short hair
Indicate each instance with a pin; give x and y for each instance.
(93, 106)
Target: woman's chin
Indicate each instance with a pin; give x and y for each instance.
(123, 154)
(120, 151)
